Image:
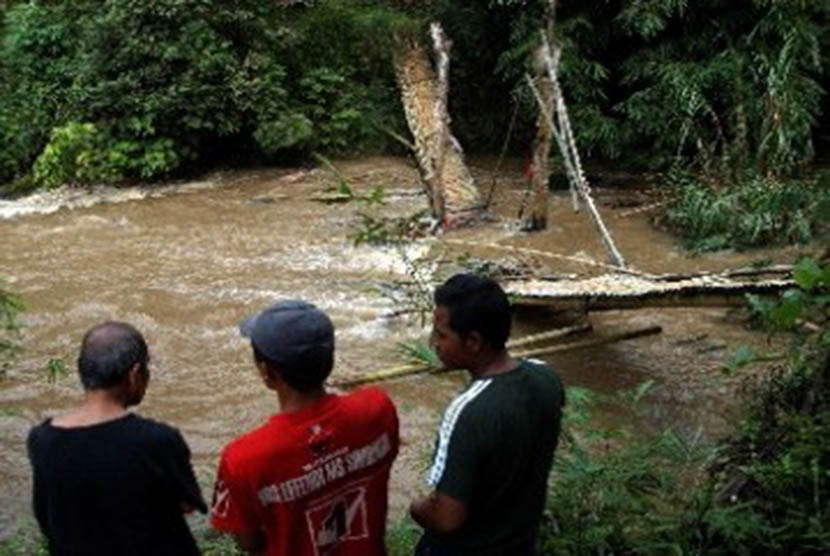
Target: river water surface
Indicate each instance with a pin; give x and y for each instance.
(185, 263)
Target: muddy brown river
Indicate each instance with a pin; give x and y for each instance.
(185, 262)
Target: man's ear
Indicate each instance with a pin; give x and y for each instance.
(474, 342)
(268, 376)
(134, 384)
(134, 376)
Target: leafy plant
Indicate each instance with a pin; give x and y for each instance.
(385, 230)
(754, 212)
(614, 489)
(402, 537)
(55, 370)
(420, 352)
(10, 308)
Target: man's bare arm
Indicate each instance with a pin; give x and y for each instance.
(439, 512)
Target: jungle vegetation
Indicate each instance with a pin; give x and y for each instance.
(114, 90)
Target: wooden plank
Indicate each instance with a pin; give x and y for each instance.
(602, 294)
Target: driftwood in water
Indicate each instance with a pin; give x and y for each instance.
(453, 195)
(408, 370)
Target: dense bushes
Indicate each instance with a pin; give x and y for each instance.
(721, 85)
(113, 90)
(763, 491)
(753, 212)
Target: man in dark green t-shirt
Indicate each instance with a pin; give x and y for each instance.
(496, 442)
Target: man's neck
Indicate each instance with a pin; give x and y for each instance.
(98, 406)
(497, 363)
(292, 400)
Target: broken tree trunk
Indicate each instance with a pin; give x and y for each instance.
(537, 218)
(560, 124)
(453, 194)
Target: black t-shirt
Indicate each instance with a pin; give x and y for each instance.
(494, 452)
(113, 488)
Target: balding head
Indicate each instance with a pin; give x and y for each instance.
(108, 351)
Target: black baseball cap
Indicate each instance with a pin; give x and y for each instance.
(294, 334)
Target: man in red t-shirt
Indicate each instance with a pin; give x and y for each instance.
(313, 479)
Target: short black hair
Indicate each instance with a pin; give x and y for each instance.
(476, 304)
(108, 351)
(305, 377)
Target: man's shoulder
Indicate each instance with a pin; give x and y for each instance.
(486, 397)
(39, 436)
(252, 439)
(151, 430)
(131, 432)
(474, 404)
(368, 401)
(542, 373)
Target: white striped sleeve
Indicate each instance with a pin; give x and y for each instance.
(448, 422)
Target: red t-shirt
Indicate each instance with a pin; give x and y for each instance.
(314, 480)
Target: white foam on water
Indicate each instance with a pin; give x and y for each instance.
(368, 330)
(347, 259)
(65, 197)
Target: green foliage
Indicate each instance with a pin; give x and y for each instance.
(129, 90)
(754, 212)
(37, 45)
(613, 491)
(10, 308)
(212, 543)
(82, 154)
(384, 230)
(177, 84)
(739, 94)
(657, 82)
(402, 538)
(56, 369)
(421, 353)
(767, 489)
(779, 463)
(24, 543)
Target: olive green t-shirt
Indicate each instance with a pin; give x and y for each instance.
(494, 452)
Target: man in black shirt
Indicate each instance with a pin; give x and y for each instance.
(107, 481)
(496, 442)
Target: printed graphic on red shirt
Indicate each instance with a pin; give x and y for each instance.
(324, 495)
(337, 520)
(221, 504)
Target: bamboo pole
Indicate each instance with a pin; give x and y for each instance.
(408, 370)
(550, 335)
